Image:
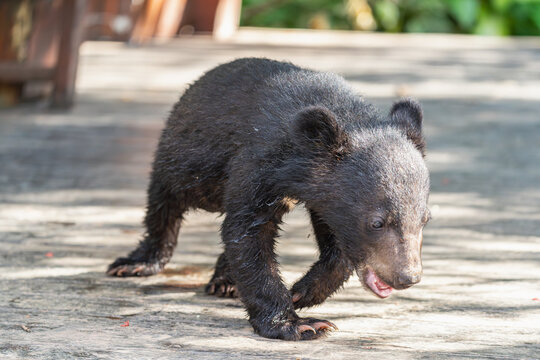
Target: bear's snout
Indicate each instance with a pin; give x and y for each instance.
(407, 279)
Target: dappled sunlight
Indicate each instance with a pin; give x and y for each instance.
(47, 272)
(75, 197)
(73, 193)
(78, 214)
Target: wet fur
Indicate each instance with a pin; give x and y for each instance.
(244, 140)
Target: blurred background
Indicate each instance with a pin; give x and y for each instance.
(39, 39)
(85, 89)
(482, 17)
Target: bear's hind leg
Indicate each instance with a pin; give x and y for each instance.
(163, 218)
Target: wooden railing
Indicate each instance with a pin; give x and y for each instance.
(40, 39)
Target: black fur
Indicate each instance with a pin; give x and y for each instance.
(252, 134)
(407, 114)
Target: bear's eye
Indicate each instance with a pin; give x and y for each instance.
(377, 224)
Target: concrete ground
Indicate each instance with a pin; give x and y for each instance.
(72, 193)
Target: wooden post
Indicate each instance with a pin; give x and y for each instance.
(72, 29)
(170, 19)
(146, 24)
(227, 19)
(165, 18)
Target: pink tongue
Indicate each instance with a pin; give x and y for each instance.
(379, 287)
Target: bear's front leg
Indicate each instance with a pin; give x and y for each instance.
(249, 236)
(327, 274)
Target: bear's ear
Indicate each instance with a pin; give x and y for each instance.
(407, 115)
(316, 127)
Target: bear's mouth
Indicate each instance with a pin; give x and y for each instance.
(375, 283)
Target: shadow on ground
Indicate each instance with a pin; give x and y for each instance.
(72, 188)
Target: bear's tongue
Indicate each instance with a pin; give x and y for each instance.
(379, 287)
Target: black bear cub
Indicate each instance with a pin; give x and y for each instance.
(252, 137)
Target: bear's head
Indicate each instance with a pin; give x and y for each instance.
(370, 184)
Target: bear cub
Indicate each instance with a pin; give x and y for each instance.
(252, 137)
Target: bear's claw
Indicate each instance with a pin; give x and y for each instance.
(310, 328)
(123, 267)
(221, 287)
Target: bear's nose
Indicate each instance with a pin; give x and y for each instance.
(409, 279)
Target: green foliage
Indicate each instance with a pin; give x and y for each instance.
(483, 17)
(387, 13)
(295, 13)
(465, 12)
